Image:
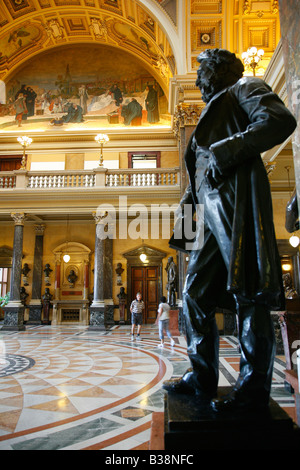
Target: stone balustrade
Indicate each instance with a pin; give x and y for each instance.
(98, 177)
(144, 177)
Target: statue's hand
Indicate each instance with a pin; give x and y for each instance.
(213, 176)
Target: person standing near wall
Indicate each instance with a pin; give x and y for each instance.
(136, 308)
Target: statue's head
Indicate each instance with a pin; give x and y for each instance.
(218, 69)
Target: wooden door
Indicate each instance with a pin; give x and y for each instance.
(10, 163)
(145, 279)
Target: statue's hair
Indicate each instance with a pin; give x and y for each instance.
(224, 60)
(225, 70)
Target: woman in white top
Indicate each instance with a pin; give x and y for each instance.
(163, 321)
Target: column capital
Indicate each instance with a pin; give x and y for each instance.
(39, 229)
(18, 217)
(186, 114)
(99, 216)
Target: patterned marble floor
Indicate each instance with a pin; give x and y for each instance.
(69, 388)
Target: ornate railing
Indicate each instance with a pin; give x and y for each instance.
(7, 180)
(145, 177)
(102, 177)
(61, 180)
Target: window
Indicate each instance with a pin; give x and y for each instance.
(143, 160)
(4, 278)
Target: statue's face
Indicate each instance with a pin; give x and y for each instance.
(204, 80)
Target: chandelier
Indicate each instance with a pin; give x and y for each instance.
(252, 57)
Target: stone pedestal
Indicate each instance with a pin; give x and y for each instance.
(97, 316)
(35, 313)
(191, 424)
(13, 317)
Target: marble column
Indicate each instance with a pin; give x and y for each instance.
(98, 306)
(186, 118)
(57, 278)
(108, 277)
(55, 319)
(289, 12)
(86, 279)
(35, 306)
(14, 310)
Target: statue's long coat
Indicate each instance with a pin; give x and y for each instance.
(237, 125)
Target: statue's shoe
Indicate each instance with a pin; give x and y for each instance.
(178, 386)
(239, 401)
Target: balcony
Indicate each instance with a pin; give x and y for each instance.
(49, 195)
(83, 179)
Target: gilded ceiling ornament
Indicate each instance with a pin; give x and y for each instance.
(54, 29)
(275, 7)
(246, 7)
(98, 27)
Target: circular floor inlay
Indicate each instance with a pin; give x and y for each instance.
(13, 363)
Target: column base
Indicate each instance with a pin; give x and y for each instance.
(13, 317)
(35, 315)
(97, 316)
(109, 313)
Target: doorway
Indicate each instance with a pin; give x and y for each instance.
(10, 163)
(145, 279)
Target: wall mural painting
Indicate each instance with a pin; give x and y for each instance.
(83, 86)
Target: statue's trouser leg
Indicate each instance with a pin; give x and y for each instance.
(205, 273)
(258, 346)
(206, 282)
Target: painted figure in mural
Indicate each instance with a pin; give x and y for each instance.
(131, 111)
(83, 96)
(30, 100)
(74, 113)
(117, 94)
(22, 91)
(20, 108)
(151, 104)
(238, 266)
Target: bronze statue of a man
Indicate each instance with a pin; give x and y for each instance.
(238, 266)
